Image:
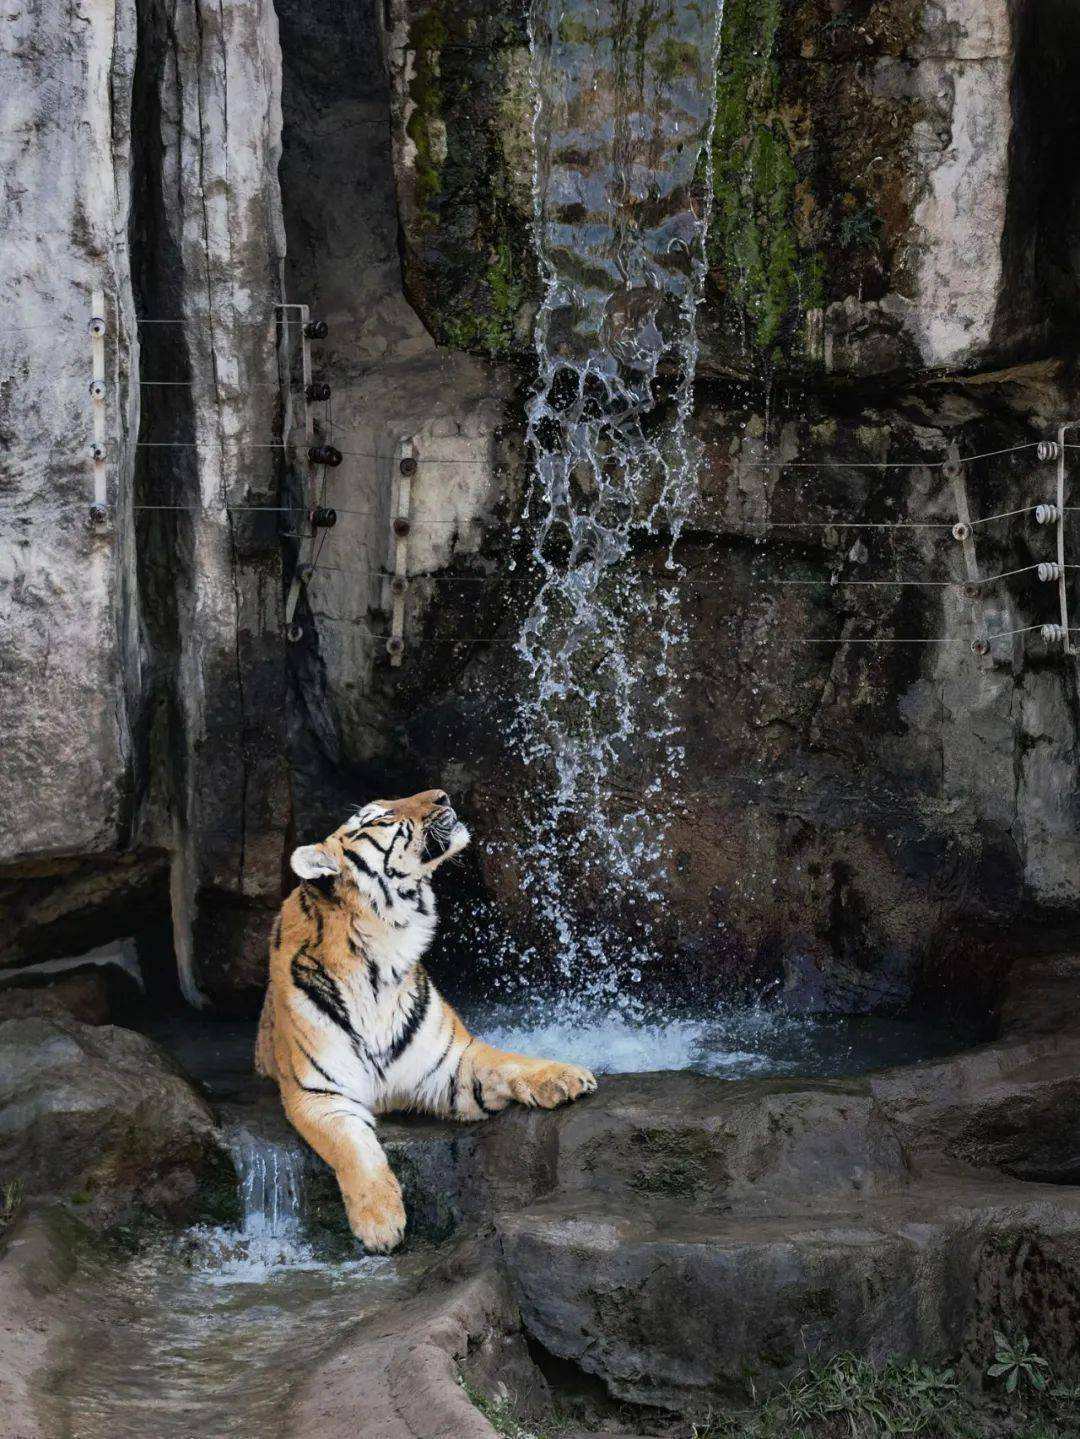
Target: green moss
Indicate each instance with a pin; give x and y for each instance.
(754, 244)
(425, 126)
(489, 327)
(675, 58)
(468, 263)
(574, 32)
(11, 1202)
(860, 229)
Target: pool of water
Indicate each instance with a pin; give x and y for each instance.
(731, 1042)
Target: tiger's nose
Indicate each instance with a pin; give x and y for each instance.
(441, 797)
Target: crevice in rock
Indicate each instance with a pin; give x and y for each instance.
(165, 476)
(1040, 298)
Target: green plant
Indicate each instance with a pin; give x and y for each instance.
(848, 1396)
(499, 1412)
(860, 229)
(11, 1199)
(1014, 1362)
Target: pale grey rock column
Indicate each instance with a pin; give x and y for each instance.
(69, 652)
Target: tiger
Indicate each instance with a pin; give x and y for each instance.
(352, 1026)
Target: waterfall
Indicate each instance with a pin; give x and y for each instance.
(624, 108)
(270, 1234)
(270, 1177)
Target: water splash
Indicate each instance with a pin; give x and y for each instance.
(270, 1186)
(624, 109)
(729, 1041)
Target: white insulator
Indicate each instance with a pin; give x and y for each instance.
(1046, 514)
(97, 326)
(1048, 450)
(97, 389)
(961, 531)
(97, 450)
(1049, 570)
(1053, 634)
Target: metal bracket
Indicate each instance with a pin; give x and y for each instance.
(99, 510)
(303, 313)
(400, 526)
(302, 573)
(1063, 592)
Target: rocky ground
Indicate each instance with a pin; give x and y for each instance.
(673, 1246)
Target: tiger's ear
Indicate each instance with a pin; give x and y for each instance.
(312, 860)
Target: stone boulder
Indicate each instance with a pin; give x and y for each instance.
(100, 1117)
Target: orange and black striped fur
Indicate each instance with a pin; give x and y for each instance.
(353, 1027)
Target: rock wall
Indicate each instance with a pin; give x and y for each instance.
(890, 274)
(892, 268)
(72, 674)
(209, 243)
(145, 674)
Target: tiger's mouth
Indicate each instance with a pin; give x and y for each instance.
(444, 835)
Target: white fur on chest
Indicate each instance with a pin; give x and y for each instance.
(380, 991)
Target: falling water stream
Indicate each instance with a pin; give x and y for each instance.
(622, 188)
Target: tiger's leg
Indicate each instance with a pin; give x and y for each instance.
(342, 1132)
(489, 1079)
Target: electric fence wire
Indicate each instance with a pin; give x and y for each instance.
(772, 525)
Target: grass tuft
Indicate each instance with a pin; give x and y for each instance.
(11, 1201)
(851, 1398)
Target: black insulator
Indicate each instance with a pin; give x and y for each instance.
(316, 329)
(324, 455)
(323, 518)
(98, 516)
(294, 634)
(317, 390)
(407, 466)
(401, 527)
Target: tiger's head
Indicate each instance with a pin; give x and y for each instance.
(386, 850)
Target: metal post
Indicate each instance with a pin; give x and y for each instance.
(98, 451)
(1063, 593)
(302, 572)
(400, 527)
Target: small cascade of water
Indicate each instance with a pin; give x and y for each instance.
(624, 108)
(271, 1182)
(270, 1185)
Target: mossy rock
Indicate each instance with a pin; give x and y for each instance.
(463, 112)
(813, 171)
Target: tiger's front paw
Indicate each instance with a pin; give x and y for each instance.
(550, 1084)
(377, 1214)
